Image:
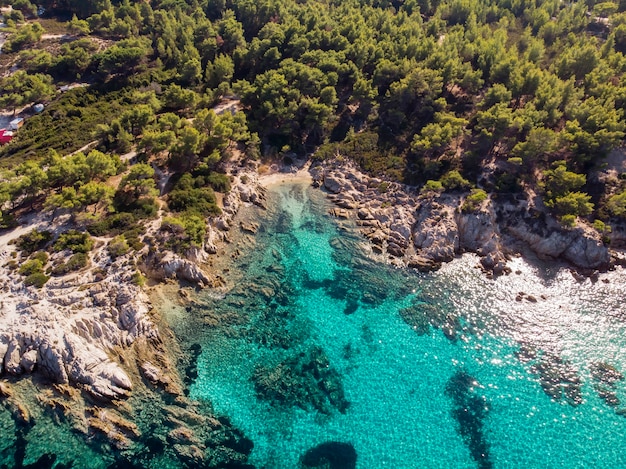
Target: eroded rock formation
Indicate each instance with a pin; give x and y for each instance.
(424, 230)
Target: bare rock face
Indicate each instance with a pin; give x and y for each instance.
(423, 231)
(174, 266)
(435, 233)
(334, 183)
(588, 252)
(29, 360)
(12, 358)
(583, 248)
(479, 233)
(4, 346)
(67, 330)
(151, 372)
(51, 363)
(90, 366)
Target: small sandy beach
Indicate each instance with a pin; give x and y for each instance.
(279, 177)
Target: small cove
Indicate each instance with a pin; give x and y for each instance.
(320, 355)
(467, 393)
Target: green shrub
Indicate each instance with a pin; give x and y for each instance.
(187, 197)
(568, 220)
(616, 205)
(74, 263)
(145, 207)
(601, 226)
(75, 241)
(474, 200)
(27, 34)
(113, 225)
(453, 180)
(184, 232)
(572, 203)
(30, 267)
(432, 186)
(41, 256)
(33, 241)
(7, 221)
(138, 279)
(38, 279)
(219, 182)
(118, 247)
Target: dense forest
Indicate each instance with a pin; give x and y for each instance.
(497, 97)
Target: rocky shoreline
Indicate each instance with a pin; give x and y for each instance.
(95, 342)
(90, 348)
(423, 230)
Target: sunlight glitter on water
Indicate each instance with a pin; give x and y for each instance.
(522, 351)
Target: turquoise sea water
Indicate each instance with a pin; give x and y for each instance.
(325, 358)
(436, 370)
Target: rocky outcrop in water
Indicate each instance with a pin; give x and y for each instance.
(331, 455)
(424, 230)
(409, 229)
(470, 411)
(306, 381)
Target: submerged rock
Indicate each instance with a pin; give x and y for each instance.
(559, 379)
(306, 380)
(470, 411)
(330, 455)
(426, 313)
(605, 378)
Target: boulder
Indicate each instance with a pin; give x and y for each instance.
(423, 264)
(174, 266)
(4, 346)
(222, 225)
(51, 363)
(333, 183)
(583, 248)
(151, 372)
(588, 252)
(29, 360)
(12, 358)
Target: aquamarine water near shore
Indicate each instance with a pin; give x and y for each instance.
(324, 356)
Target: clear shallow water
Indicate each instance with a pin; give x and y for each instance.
(316, 344)
(465, 393)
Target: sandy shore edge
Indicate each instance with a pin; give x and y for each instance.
(279, 177)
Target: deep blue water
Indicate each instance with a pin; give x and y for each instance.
(437, 370)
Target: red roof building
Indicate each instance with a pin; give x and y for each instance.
(5, 136)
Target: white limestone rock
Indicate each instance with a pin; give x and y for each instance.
(51, 363)
(29, 360)
(91, 367)
(12, 358)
